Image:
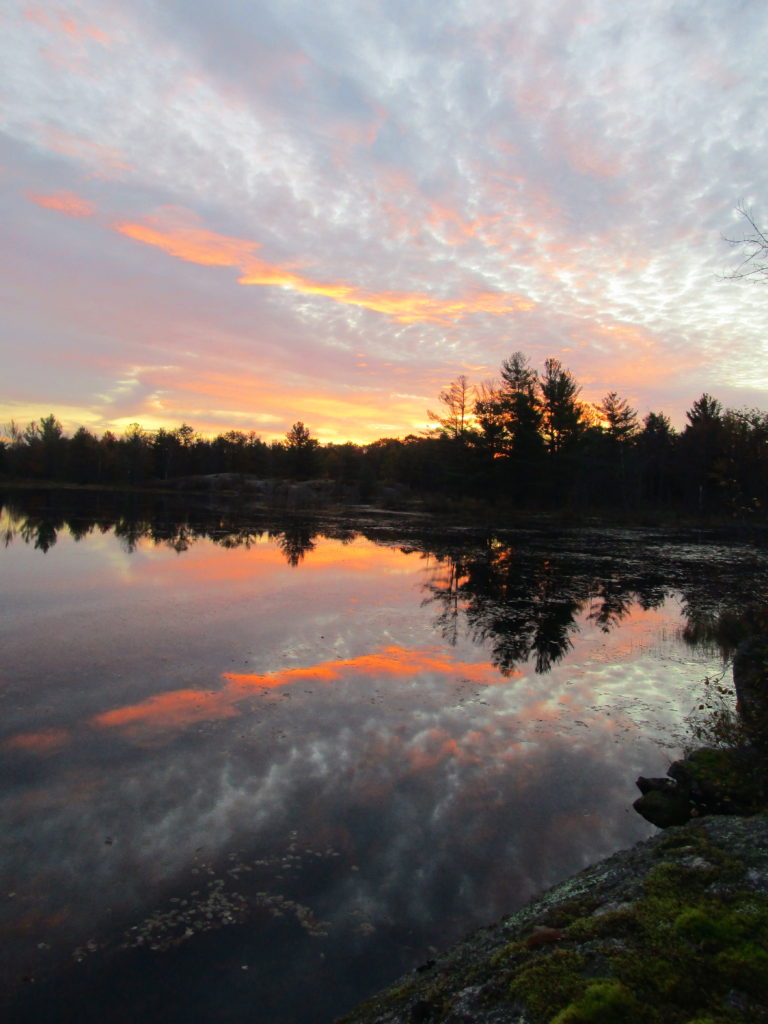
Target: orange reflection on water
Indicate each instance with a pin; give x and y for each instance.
(43, 742)
(435, 746)
(389, 662)
(266, 555)
(181, 708)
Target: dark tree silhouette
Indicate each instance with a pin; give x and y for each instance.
(655, 454)
(620, 417)
(301, 452)
(562, 420)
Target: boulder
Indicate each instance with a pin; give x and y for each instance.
(708, 781)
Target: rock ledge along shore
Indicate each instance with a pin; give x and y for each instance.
(673, 930)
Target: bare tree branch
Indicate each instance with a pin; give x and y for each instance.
(754, 246)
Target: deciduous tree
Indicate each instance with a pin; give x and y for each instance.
(753, 244)
(457, 399)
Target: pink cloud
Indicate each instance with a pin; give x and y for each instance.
(68, 203)
(59, 22)
(107, 161)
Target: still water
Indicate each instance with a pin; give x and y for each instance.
(255, 770)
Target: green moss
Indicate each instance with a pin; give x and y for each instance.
(661, 978)
(745, 966)
(548, 983)
(673, 956)
(507, 955)
(563, 915)
(694, 842)
(684, 841)
(622, 921)
(706, 927)
(603, 1002)
(691, 949)
(682, 882)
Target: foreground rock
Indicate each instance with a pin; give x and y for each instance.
(674, 931)
(707, 781)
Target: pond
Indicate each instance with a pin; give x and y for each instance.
(255, 768)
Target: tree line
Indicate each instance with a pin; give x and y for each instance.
(524, 440)
(528, 437)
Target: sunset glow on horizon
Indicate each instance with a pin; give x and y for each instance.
(240, 216)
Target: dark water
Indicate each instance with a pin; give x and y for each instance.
(253, 770)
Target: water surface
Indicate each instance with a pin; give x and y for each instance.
(254, 770)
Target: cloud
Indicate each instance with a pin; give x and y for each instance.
(431, 193)
(177, 233)
(64, 202)
(58, 22)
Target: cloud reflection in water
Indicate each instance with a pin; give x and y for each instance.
(398, 784)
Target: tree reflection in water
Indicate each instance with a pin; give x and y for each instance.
(37, 518)
(525, 601)
(295, 541)
(523, 595)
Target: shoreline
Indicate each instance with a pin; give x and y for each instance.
(672, 930)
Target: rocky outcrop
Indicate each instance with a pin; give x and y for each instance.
(708, 781)
(671, 931)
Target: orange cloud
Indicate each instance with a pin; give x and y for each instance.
(406, 307)
(455, 230)
(371, 406)
(178, 234)
(179, 709)
(64, 202)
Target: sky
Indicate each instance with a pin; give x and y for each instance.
(242, 214)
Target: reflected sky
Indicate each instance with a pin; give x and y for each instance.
(295, 772)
